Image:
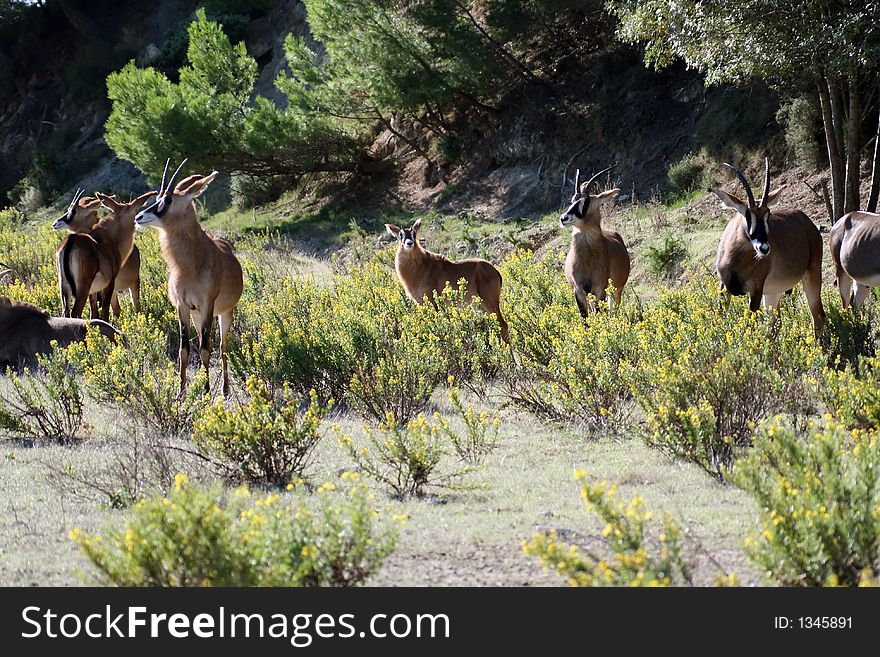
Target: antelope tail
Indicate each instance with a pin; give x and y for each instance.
(65, 259)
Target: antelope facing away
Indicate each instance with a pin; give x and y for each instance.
(27, 331)
(422, 273)
(765, 252)
(204, 277)
(855, 249)
(595, 256)
(90, 263)
(129, 277)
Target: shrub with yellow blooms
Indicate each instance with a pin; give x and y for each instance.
(265, 441)
(200, 537)
(819, 500)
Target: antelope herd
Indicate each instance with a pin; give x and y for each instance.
(762, 253)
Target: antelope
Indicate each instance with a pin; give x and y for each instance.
(764, 253)
(129, 278)
(855, 245)
(422, 273)
(27, 331)
(90, 263)
(595, 256)
(204, 277)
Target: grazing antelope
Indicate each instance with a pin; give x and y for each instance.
(129, 277)
(855, 249)
(422, 273)
(764, 253)
(595, 256)
(204, 277)
(90, 263)
(27, 331)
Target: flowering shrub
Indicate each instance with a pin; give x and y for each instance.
(634, 562)
(266, 441)
(46, 403)
(707, 373)
(480, 433)
(853, 398)
(405, 458)
(819, 496)
(195, 537)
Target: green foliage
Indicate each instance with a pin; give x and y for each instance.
(46, 403)
(849, 336)
(819, 496)
(564, 368)
(480, 435)
(708, 372)
(406, 458)
(853, 396)
(803, 126)
(663, 257)
(685, 175)
(266, 441)
(635, 562)
(194, 537)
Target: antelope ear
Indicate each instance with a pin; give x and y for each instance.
(584, 188)
(417, 225)
(393, 230)
(199, 186)
(95, 203)
(730, 201)
(142, 198)
(608, 196)
(773, 196)
(107, 201)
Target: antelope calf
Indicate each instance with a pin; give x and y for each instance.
(595, 256)
(765, 252)
(855, 249)
(129, 277)
(27, 331)
(204, 276)
(422, 273)
(89, 264)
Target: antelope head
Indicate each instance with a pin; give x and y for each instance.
(583, 204)
(407, 237)
(81, 214)
(754, 215)
(124, 212)
(171, 203)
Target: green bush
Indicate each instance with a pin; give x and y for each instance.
(853, 398)
(480, 435)
(46, 403)
(819, 496)
(634, 560)
(266, 441)
(685, 176)
(663, 257)
(801, 119)
(406, 459)
(195, 537)
(708, 372)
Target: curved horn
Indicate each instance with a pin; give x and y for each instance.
(171, 182)
(164, 173)
(77, 196)
(766, 182)
(577, 179)
(745, 183)
(596, 176)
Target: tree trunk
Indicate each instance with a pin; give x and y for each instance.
(875, 169)
(835, 158)
(853, 150)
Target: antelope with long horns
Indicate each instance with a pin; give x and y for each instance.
(129, 277)
(855, 249)
(422, 273)
(596, 256)
(765, 252)
(204, 276)
(89, 264)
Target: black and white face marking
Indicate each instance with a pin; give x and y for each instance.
(64, 220)
(407, 237)
(154, 211)
(577, 210)
(756, 229)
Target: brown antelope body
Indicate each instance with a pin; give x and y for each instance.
(27, 331)
(596, 256)
(204, 276)
(855, 249)
(90, 263)
(764, 253)
(422, 273)
(129, 276)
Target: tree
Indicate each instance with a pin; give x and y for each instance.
(832, 47)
